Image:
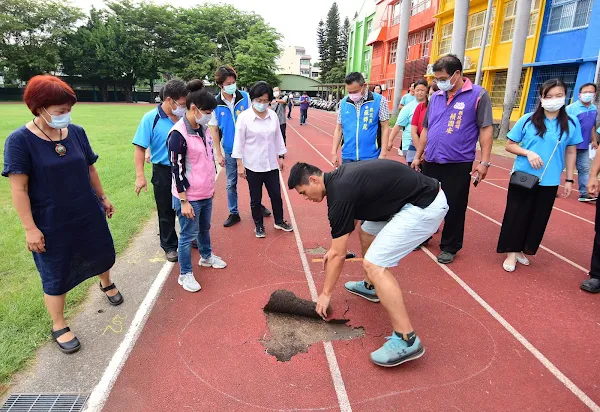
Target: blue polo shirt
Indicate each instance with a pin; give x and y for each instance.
(587, 121)
(153, 132)
(524, 132)
(406, 99)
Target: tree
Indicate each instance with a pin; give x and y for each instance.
(31, 35)
(256, 56)
(344, 39)
(332, 41)
(321, 42)
(337, 73)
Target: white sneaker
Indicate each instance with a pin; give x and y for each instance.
(213, 261)
(189, 282)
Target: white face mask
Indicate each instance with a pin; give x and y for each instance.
(179, 111)
(58, 121)
(203, 121)
(553, 105)
(276, 94)
(586, 97)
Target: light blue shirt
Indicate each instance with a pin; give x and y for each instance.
(152, 132)
(405, 120)
(406, 99)
(525, 133)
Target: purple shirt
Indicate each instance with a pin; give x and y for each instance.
(587, 120)
(453, 125)
(304, 100)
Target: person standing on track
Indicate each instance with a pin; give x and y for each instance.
(230, 103)
(457, 116)
(258, 149)
(543, 141)
(363, 119)
(290, 105)
(304, 103)
(592, 284)
(400, 209)
(278, 105)
(152, 134)
(586, 112)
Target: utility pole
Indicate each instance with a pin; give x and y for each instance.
(459, 28)
(515, 66)
(401, 53)
(486, 29)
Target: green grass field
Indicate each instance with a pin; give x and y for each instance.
(24, 322)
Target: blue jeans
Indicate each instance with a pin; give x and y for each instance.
(197, 228)
(583, 170)
(303, 115)
(232, 178)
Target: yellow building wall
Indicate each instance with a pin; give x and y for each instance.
(497, 54)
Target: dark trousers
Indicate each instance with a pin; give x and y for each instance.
(161, 180)
(455, 179)
(595, 270)
(525, 218)
(283, 128)
(290, 111)
(303, 115)
(255, 183)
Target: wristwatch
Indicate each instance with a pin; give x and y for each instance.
(488, 164)
(183, 201)
(569, 180)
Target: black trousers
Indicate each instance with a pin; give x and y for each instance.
(290, 106)
(455, 179)
(161, 180)
(595, 270)
(525, 218)
(255, 183)
(283, 128)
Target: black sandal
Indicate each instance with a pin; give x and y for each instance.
(71, 346)
(113, 300)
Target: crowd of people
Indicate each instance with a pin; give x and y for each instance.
(398, 207)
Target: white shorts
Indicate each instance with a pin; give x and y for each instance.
(406, 230)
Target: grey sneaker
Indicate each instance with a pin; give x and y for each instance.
(285, 226)
(260, 232)
(213, 261)
(446, 257)
(189, 282)
(172, 256)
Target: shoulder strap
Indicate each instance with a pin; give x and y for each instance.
(551, 156)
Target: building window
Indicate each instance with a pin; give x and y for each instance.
(368, 30)
(428, 36)
(389, 88)
(569, 14)
(446, 39)
(499, 89)
(393, 49)
(300, 52)
(420, 39)
(304, 62)
(367, 61)
(567, 73)
(417, 6)
(534, 14)
(510, 12)
(396, 14)
(475, 29)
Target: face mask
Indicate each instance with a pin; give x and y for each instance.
(586, 97)
(179, 111)
(59, 121)
(276, 94)
(355, 97)
(553, 105)
(260, 107)
(203, 121)
(446, 85)
(230, 89)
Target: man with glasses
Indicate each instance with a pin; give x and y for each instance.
(458, 115)
(152, 134)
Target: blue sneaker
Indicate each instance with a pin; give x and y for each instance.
(396, 351)
(359, 289)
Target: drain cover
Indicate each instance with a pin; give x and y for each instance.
(47, 402)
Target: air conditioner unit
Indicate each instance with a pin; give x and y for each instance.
(468, 63)
(383, 87)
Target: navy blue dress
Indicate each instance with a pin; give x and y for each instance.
(64, 206)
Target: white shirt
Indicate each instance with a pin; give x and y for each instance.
(258, 142)
(230, 103)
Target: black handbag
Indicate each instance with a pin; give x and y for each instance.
(527, 180)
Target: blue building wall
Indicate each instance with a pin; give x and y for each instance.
(571, 55)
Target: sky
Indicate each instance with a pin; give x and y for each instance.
(296, 20)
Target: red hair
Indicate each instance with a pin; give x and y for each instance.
(44, 91)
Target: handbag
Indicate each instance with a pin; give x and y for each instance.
(527, 180)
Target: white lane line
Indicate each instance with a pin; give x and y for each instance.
(561, 257)
(100, 393)
(553, 207)
(522, 340)
(334, 369)
(536, 353)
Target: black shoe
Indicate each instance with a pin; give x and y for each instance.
(260, 232)
(446, 257)
(591, 285)
(232, 220)
(283, 225)
(266, 212)
(172, 256)
(113, 300)
(71, 346)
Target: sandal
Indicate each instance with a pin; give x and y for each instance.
(113, 300)
(71, 346)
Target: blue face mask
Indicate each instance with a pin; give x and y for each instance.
(58, 121)
(446, 85)
(230, 89)
(260, 107)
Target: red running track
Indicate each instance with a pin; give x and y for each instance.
(495, 341)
